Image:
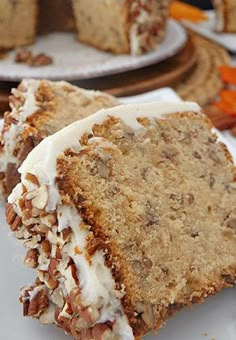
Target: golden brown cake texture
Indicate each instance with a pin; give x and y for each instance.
(17, 23)
(124, 26)
(225, 15)
(39, 109)
(128, 219)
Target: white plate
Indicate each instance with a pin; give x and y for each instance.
(206, 29)
(215, 319)
(73, 60)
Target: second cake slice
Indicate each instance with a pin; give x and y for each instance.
(40, 108)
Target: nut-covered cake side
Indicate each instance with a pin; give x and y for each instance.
(147, 24)
(38, 109)
(105, 209)
(126, 26)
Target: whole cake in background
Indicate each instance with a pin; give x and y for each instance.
(39, 108)
(124, 26)
(128, 215)
(225, 15)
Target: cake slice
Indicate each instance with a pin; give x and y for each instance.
(128, 216)
(40, 108)
(225, 15)
(121, 26)
(17, 23)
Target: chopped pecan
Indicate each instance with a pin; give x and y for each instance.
(102, 332)
(49, 280)
(75, 300)
(14, 103)
(32, 178)
(28, 204)
(31, 258)
(78, 324)
(25, 297)
(62, 321)
(58, 253)
(52, 268)
(41, 229)
(38, 304)
(41, 197)
(23, 56)
(10, 213)
(81, 335)
(74, 273)
(90, 315)
(66, 234)
(57, 297)
(40, 59)
(52, 283)
(12, 218)
(46, 247)
(27, 57)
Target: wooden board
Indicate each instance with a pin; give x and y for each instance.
(166, 73)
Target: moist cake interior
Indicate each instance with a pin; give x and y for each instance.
(164, 201)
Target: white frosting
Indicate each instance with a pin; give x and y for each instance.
(95, 278)
(30, 106)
